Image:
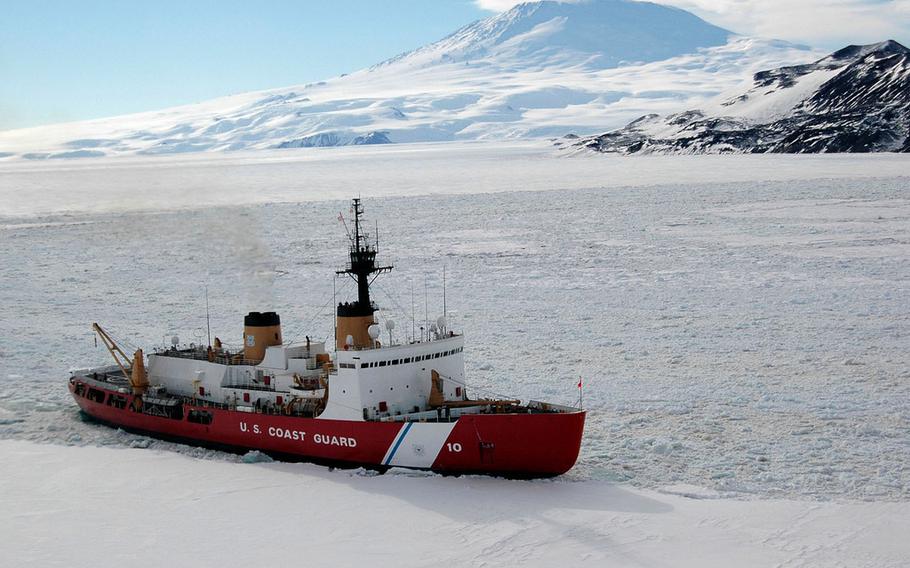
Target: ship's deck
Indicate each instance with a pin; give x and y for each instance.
(113, 379)
(221, 357)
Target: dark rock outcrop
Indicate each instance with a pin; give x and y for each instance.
(855, 100)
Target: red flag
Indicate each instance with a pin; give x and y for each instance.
(579, 382)
(341, 217)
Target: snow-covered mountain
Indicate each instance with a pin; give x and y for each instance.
(595, 34)
(855, 100)
(539, 69)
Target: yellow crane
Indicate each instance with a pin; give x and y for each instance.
(133, 369)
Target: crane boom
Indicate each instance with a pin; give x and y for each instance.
(114, 350)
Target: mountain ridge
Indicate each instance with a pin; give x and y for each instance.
(856, 99)
(539, 70)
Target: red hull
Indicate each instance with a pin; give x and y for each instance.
(527, 445)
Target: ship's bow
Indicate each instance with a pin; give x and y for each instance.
(514, 445)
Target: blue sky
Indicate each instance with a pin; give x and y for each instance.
(70, 60)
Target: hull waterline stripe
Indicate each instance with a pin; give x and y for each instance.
(398, 442)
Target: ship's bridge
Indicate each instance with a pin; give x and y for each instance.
(387, 381)
(400, 354)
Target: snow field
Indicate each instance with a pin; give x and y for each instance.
(136, 184)
(105, 507)
(744, 337)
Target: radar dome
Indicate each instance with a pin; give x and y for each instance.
(441, 322)
(390, 325)
(373, 330)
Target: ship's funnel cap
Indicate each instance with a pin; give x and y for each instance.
(261, 319)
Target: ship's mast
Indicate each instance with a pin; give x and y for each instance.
(362, 268)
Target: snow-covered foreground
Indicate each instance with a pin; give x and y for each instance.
(105, 507)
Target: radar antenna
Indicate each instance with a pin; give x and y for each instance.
(362, 268)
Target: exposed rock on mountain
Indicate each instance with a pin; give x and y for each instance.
(855, 100)
(335, 139)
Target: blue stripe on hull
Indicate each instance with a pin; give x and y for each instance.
(398, 442)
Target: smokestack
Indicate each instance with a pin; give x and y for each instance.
(260, 330)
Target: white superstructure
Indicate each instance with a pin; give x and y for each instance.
(362, 384)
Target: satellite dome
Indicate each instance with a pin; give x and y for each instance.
(373, 330)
